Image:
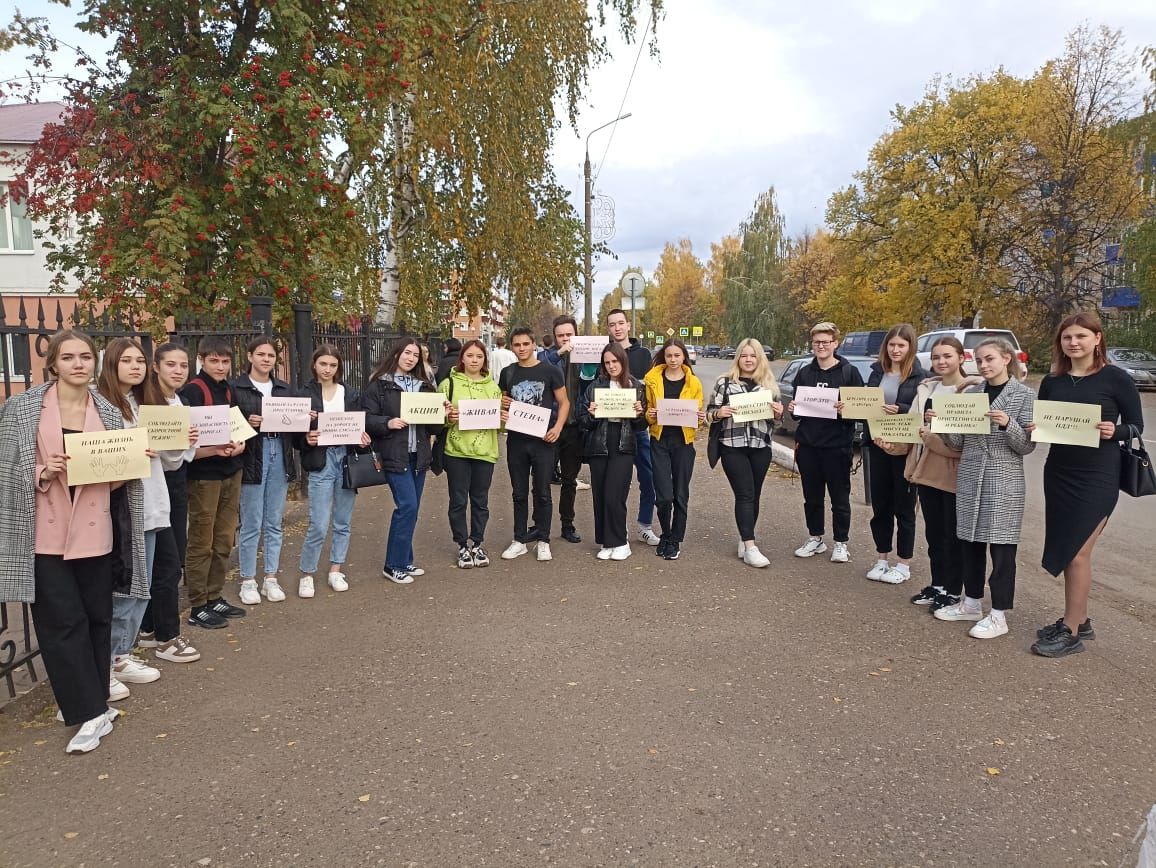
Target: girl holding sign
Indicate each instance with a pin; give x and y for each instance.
(745, 447)
(59, 540)
(328, 498)
(265, 475)
(404, 450)
(609, 446)
(989, 504)
(470, 453)
(1081, 485)
(898, 373)
(671, 449)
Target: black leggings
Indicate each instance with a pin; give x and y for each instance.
(673, 465)
(469, 481)
(944, 549)
(746, 468)
(1002, 580)
(892, 504)
(163, 615)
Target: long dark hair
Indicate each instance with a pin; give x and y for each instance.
(1061, 364)
(328, 350)
(615, 349)
(460, 367)
(660, 354)
(108, 383)
(905, 332)
(388, 365)
(153, 393)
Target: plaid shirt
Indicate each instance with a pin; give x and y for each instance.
(756, 434)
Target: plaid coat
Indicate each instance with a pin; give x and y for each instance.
(990, 491)
(19, 418)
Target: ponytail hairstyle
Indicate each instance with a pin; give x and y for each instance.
(108, 383)
(1014, 369)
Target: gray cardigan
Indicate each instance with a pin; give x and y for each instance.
(19, 419)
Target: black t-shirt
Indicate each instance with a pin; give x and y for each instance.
(994, 392)
(533, 385)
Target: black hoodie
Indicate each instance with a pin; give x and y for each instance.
(826, 433)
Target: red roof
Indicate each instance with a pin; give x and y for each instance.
(22, 123)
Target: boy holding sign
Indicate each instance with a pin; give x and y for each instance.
(823, 447)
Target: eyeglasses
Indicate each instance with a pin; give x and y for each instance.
(821, 343)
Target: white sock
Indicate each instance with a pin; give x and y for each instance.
(999, 612)
(903, 568)
(882, 562)
(972, 604)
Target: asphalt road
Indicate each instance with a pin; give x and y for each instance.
(581, 712)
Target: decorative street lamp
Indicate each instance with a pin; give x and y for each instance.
(588, 266)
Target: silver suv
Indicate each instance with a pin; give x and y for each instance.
(970, 338)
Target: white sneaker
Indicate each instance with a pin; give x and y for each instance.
(875, 574)
(177, 650)
(959, 612)
(305, 588)
(415, 571)
(840, 555)
(89, 735)
(620, 553)
(752, 557)
(544, 551)
(995, 624)
(813, 546)
(604, 553)
(514, 550)
(582, 486)
(647, 535)
(337, 582)
(271, 590)
(895, 576)
(250, 596)
(130, 670)
(742, 550)
(111, 713)
(147, 640)
(116, 690)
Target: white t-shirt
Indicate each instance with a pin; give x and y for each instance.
(265, 389)
(337, 405)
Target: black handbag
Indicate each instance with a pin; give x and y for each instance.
(714, 436)
(1137, 476)
(362, 470)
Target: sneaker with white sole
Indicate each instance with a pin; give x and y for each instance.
(305, 588)
(481, 559)
(337, 583)
(544, 553)
(249, 595)
(620, 553)
(604, 553)
(398, 577)
(465, 558)
(813, 546)
(752, 557)
(895, 576)
(742, 550)
(415, 571)
(840, 555)
(89, 735)
(111, 713)
(271, 590)
(995, 624)
(178, 650)
(959, 612)
(116, 690)
(647, 535)
(927, 596)
(875, 574)
(147, 640)
(130, 670)
(514, 550)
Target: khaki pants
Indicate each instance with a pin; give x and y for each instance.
(214, 508)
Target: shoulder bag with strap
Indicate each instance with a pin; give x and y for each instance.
(1137, 476)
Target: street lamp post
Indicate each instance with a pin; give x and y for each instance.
(587, 198)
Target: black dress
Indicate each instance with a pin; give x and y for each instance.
(1082, 485)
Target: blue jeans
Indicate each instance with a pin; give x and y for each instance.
(645, 473)
(262, 508)
(327, 498)
(407, 487)
(128, 612)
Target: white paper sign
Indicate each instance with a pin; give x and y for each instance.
(528, 419)
(479, 414)
(212, 424)
(284, 414)
(340, 429)
(816, 402)
(678, 412)
(587, 349)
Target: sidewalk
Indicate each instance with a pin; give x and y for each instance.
(695, 712)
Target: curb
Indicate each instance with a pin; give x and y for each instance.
(783, 456)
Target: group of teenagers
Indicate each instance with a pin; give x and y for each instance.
(100, 564)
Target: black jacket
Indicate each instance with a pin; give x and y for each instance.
(381, 401)
(594, 430)
(826, 433)
(907, 388)
(249, 401)
(446, 365)
(313, 457)
(640, 359)
(193, 393)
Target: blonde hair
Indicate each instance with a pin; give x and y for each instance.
(826, 328)
(763, 375)
(1006, 349)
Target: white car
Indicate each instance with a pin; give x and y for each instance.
(970, 338)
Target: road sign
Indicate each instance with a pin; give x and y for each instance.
(683, 332)
(670, 333)
(650, 334)
(632, 284)
(696, 332)
(629, 303)
(659, 339)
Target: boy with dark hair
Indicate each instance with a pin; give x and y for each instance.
(570, 442)
(214, 487)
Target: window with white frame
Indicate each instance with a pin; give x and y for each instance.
(15, 227)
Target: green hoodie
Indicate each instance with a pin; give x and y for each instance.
(478, 445)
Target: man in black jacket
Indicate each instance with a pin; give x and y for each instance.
(451, 352)
(823, 453)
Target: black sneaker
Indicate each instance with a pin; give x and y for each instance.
(672, 551)
(481, 559)
(203, 616)
(224, 608)
(571, 535)
(465, 558)
(941, 601)
(1084, 631)
(1059, 643)
(927, 596)
(661, 550)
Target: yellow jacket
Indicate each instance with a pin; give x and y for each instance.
(691, 390)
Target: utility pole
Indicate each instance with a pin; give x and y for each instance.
(587, 247)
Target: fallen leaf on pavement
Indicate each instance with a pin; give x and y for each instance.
(40, 742)
(364, 798)
(102, 777)
(162, 735)
(1000, 742)
(71, 835)
(992, 771)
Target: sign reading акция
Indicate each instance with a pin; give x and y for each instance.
(423, 408)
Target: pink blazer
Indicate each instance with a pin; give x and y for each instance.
(76, 527)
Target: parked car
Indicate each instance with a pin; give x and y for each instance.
(712, 351)
(691, 353)
(862, 343)
(769, 352)
(787, 385)
(727, 352)
(970, 338)
(1139, 364)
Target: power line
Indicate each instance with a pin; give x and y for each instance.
(622, 105)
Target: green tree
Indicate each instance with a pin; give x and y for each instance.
(752, 297)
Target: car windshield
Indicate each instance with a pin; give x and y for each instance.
(973, 339)
(1129, 355)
